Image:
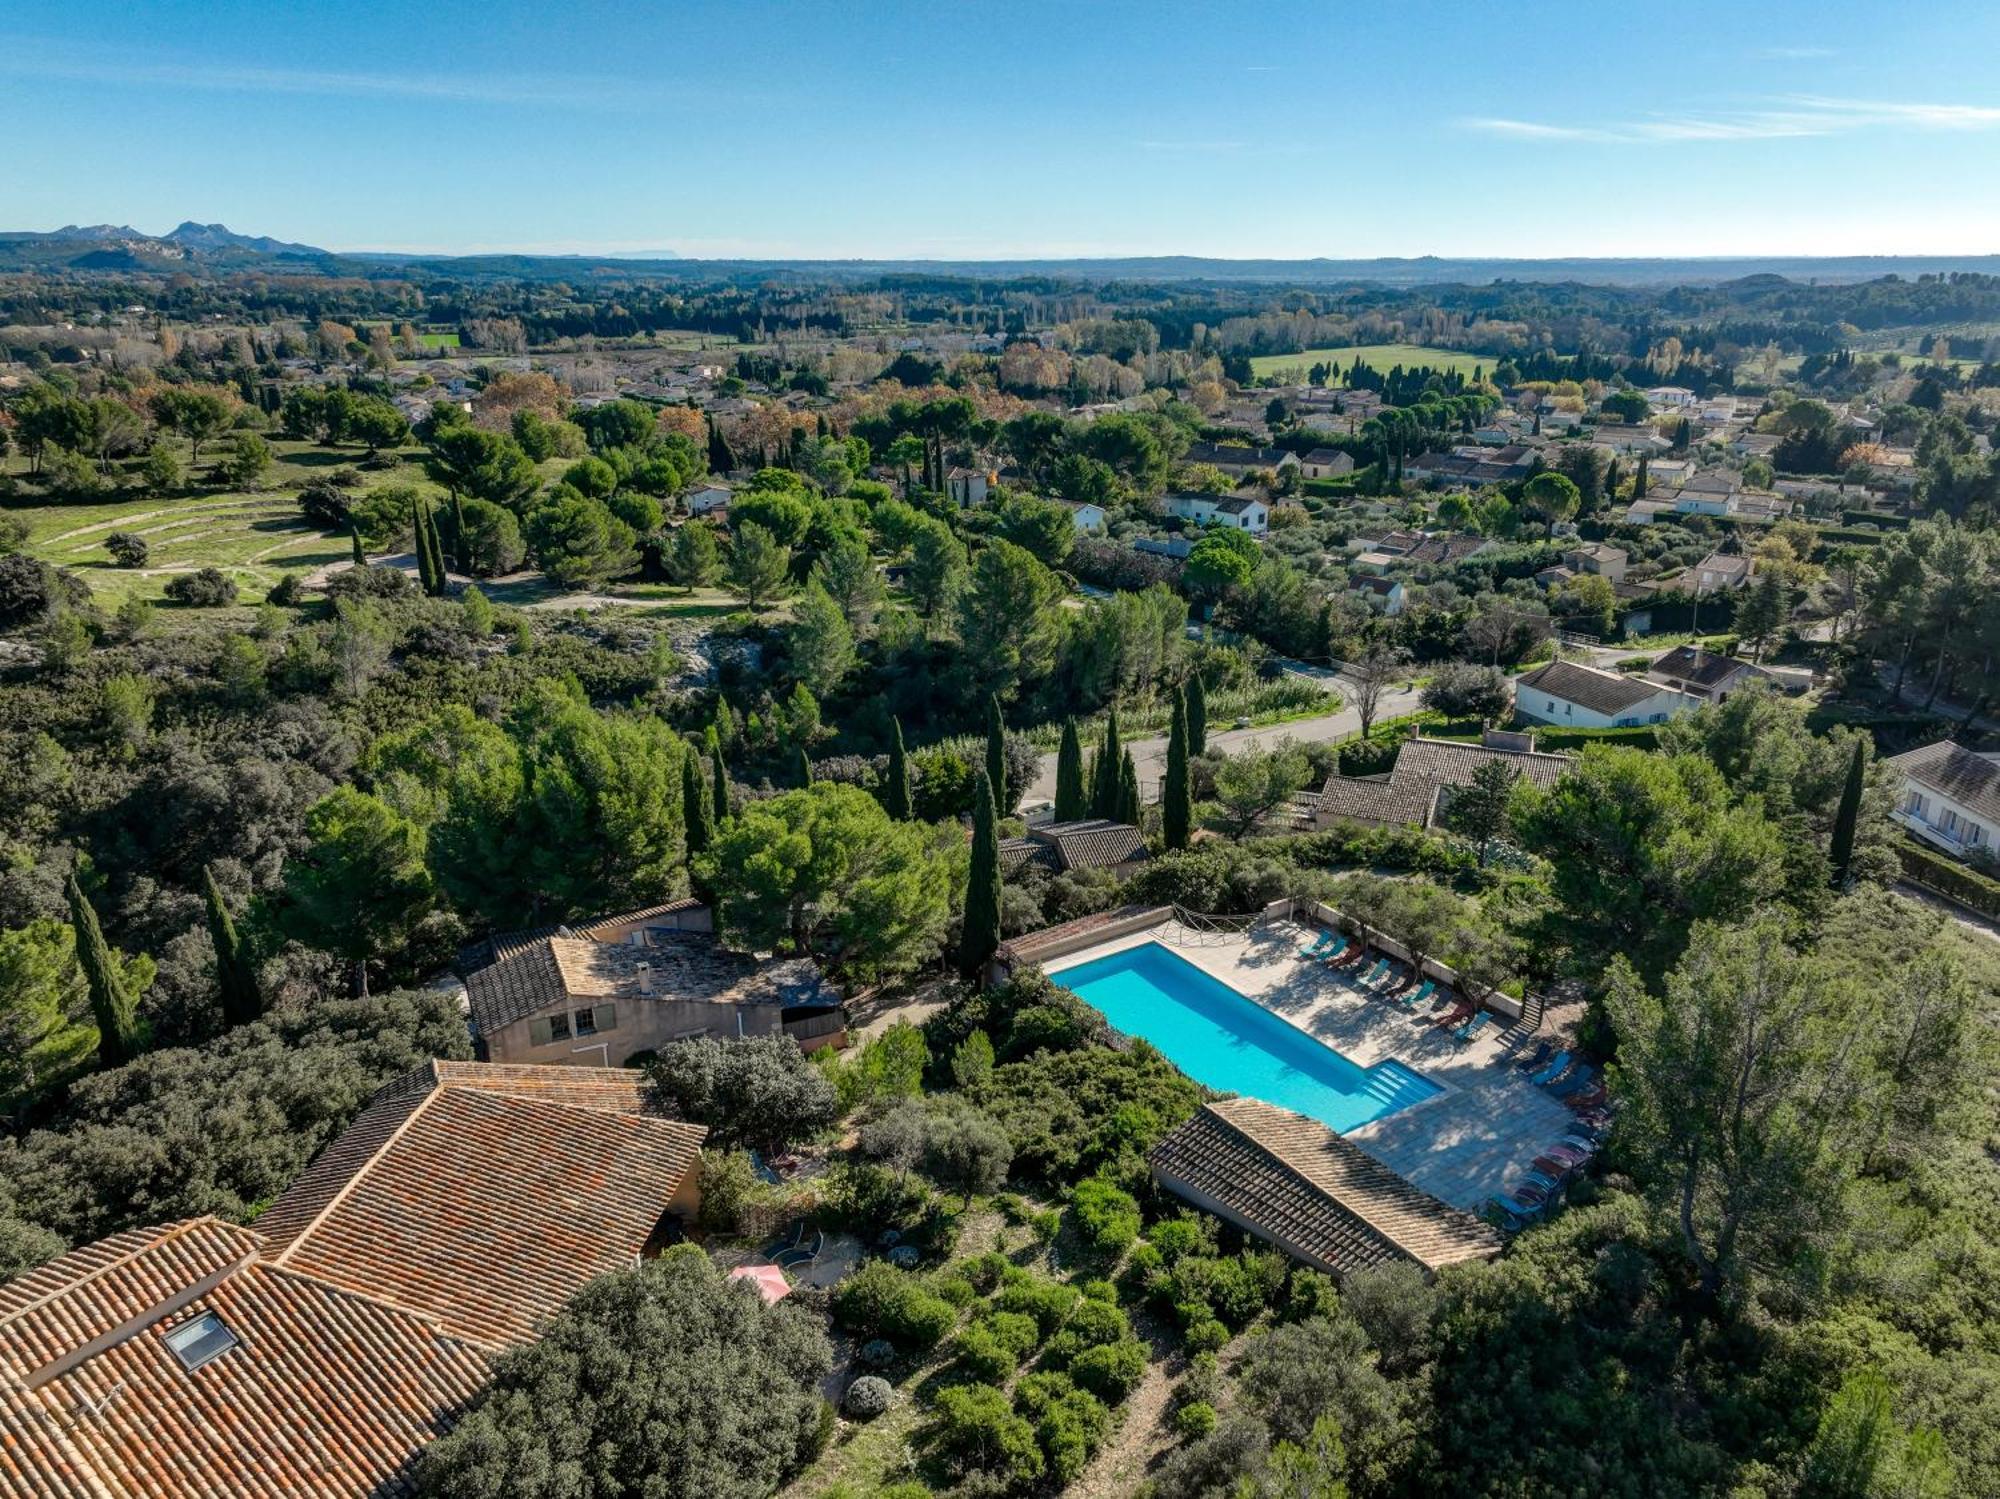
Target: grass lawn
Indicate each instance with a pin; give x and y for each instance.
(1383, 357)
(255, 536)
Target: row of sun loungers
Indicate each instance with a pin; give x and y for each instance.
(1562, 1074)
(1386, 979)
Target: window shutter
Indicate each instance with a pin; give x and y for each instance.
(540, 1032)
(605, 1017)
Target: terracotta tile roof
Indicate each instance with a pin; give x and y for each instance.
(1292, 1180)
(1424, 767)
(487, 1198)
(679, 966)
(1017, 852)
(1691, 666)
(1600, 691)
(1091, 842)
(324, 1395)
(1953, 771)
(1023, 948)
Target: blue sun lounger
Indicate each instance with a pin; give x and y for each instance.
(1583, 1077)
(1551, 1072)
(1318, 949)
(1418, 995)
(1464, 1035)
(1374, 975)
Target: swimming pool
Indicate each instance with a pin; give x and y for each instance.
(1233, 1044)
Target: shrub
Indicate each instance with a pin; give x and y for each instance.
(205, 588)
(728, 1180)
(286, 592)
(759, 1091)
(877, 1353)
(1107, 1218)
(1070, 1429)
(1181, 1236)
(1111, 1371)
(127, 549)
(1093, 1325)
(1014, 1331)
(880, 1299)
(1048, 1302)
(1046, 1225)
(1206, 1335)
(974, 1427)
(1194, 1420)
(983, 1356)
(868, 1397)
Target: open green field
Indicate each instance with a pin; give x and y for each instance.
(1383, 357)
(256, 536)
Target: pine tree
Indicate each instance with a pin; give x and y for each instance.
(896, 789)
(980, 934)
(1848, 819)
(1104, 791)
(996, 757)
(1197, 716)
(719, 771)
(1070, 804)
(112, 1001)
(805, 767)
(1177, 797)
(235, 975)
(1128, 792)
(354, 535)
(694, 807)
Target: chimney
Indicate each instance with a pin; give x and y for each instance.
(643, 972)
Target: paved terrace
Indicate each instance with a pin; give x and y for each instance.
(1461, 1146)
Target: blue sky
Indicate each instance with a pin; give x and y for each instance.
(968, 130)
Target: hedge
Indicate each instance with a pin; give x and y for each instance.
(1946, 877)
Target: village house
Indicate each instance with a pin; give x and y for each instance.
(1582, 697)
(1719, 573)
(705, 499)
(1597, 558)
(1386, 596)
(1326, 463)
(1241, 512)
(597, 995)
(968, 487)
(1238, 461)
(1085, 515)
(1950, 797)
(1705, 674)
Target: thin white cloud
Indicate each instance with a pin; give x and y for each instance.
(1781, 118)
(547, 92)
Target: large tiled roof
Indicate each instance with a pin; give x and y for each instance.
(1600, 691)
(1422, 767)
(1027, 946)
(605, 925)
(484, 1197)
(1234, 457)
(325, 1395)
(1699, 668)
(680, 966)
(1294, 1181)
(1091, 842)
(1954, 771)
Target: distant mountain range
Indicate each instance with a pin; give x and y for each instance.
(213, 248)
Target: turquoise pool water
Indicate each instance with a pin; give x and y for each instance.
(1235, 1045)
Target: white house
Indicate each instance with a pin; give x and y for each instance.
(1088, 517)
(1242, 512)
(1582, 697)
(1670, 396)
(969, 486)
(706, 497)
(1385, 594)
(1950, 797)
(1326, 463)
(1717, 573)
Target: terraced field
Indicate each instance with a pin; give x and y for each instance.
(254, 537)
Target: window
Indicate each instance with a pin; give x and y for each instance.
(197, 1341)
(586, 1024)
(559, 1027)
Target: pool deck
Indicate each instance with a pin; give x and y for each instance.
(1462, 1146)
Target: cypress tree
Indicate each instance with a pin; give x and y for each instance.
(719, 770)
(896, 790)
(235, 977)
(1070, 803)
(458, 533)
(981, 932)
(436, 538)
(417, 544)
(1197, 716)
(1177, 797)
(112, 1001)
(1639, 483)
(805, 767)
(694, 806)
(720, 459)
(1104, 792)
(1848, 818)
(354, 535)
(1128, 792)
(996, 757)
